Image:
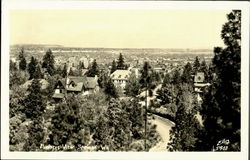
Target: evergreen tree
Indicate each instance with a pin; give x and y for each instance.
(204, 69)
(110, 89)
(113, 67)
(38, 73)
(166, 80)
(13, 66)
(32, 67)
(120, 62)
(196, 65)
(64, 71)
(22, 63)
(145, 79)
(34, 109)
(93, 70)
(132, 87)
(48, 62)
(221, 107)
(186, 76)
(176, 79)
(183, 136)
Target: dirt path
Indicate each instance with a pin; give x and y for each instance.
(163, 127)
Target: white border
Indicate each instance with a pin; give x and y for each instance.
(207, 5)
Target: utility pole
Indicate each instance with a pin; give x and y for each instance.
(146, 102)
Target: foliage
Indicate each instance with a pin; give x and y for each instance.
(145, 79)
(64, 71)
(22, 63)
(93, 70)
(221, 107)
(48, 62)
(120, 63)
(196, 65)
(132, 87)
(176, 79)
(110, 89)
(32, 67)
(113, 67)
(34, 102)
(186, 76)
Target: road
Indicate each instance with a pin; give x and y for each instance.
(163, 127)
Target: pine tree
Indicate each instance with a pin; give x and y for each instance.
(166, 80)
(120, 62)
(32, 67)
(13, 66)
(176, 79)
(110, 89)
(221, 107)
(38, 73)
(113, 67)
(23, 63)
(34, 109)
(187, 74)
(196, 65)
(93, 70)
(145, 79)
(64, 71)
(183, 136)
(132, 87)
(48, 62)
(204, 69)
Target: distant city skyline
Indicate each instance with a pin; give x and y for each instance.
(187, 29)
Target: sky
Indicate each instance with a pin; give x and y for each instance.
(198, 29)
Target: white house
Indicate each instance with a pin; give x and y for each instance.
(120, 78)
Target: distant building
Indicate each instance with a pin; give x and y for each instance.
(77, 85)
(120, 78)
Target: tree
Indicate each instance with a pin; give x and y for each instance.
(196, 65)
(32, 67)
(145, 79)
(48, 62)
(113, 67)
(64, 71)
(176, 79)
(183, 136)
(166, 80)
(167, 94)
(120, 62)
(132, 87)
(186, 76)
(13, 66)
(204, 69)
(22, 63)
(34, 102)
(67, 123)
(120, 125)
(93, 71)
(34, 109)
(38, 73)
(110, 89)
(221, 106)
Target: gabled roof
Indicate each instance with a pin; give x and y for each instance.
(120, 74)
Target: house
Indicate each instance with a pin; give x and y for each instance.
(199, 84)
(120, 78)
(77, 85)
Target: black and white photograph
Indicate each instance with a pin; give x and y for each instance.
(125, 80)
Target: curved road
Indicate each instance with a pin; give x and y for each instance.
(163, 127)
